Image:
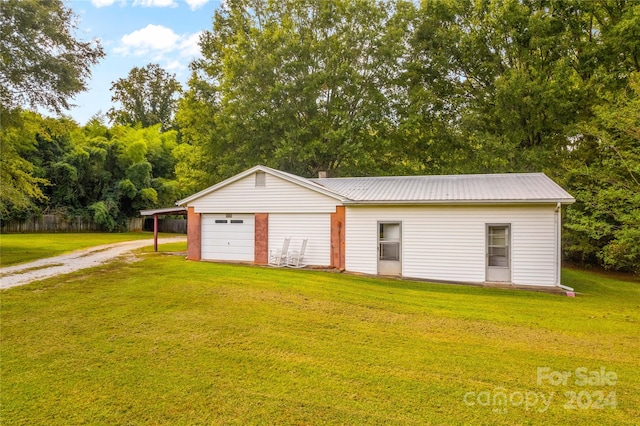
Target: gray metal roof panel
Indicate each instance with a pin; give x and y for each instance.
(511, 187)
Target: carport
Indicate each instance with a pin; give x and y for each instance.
(168, 211)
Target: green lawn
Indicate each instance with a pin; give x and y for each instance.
(20, 248)
(166, 341)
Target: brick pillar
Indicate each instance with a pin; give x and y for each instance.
(194, 234)
(261, 245)
(337, 238)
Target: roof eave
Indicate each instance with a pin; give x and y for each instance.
(457, 202)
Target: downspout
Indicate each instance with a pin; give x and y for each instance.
(340, 265)
(558, 242)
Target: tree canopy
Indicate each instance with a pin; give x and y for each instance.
(107, 173)
(147, 96)
(18, 185)
(299, 85)
(42, 64)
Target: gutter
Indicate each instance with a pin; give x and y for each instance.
(457, 202)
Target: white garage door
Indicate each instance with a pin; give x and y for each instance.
(228, 237)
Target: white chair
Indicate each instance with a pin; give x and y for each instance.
(278, 258)
(295, 258)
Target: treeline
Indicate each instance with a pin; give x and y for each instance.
(107, 174)
(365, 87)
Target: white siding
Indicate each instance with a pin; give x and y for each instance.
(449, 243)
(315, 227)
(277, 196)
(228, 241)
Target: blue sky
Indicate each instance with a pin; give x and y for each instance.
(136, 33)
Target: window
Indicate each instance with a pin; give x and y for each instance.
(389, 241)
(237, 221)
(498, 245)
(221, 221)
(261, 179)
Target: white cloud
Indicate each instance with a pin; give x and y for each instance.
(189, 45)
(102, 3)
(160, 43)
(155, 3)
(156, 38)
(195, 4)
(175, 65)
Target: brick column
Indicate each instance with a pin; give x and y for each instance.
(261, 244)
(194, 234)
(337, 238)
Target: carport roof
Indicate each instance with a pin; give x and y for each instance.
(166, 210)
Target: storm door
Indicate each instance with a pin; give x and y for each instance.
(390, 248)
(498, 253)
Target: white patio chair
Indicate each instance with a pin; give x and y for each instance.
(295, 258)
(278, 258)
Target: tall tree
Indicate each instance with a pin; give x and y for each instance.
(603, 172)
(501, 74)
(109, 173)
(19, 185)
(509, 81)
(303, 85)
(147, 96)
(41, 62)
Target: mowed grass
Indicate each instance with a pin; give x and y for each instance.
(167, 341)
(21, 248)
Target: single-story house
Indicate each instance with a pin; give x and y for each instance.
(483, 228)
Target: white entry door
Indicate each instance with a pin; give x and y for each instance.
(498, 253)
(390, 248)
(228, 237)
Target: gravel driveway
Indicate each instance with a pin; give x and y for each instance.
(25, 273)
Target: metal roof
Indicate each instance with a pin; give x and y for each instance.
(457, 189)
(166, 210)
(494, 188)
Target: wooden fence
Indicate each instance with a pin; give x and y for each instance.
(176, 226)
(59, 223)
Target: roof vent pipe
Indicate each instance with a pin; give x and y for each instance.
(322, 174)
